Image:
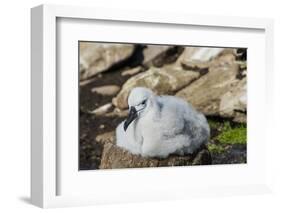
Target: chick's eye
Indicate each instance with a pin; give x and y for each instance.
(143, 102)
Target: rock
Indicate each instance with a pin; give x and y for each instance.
(132, 71)
(151, 52)
(242, 65)
(117, 112)
(99, 57)
(203, 157)
(167, 57)
(241, 54)
(86, 82)
(108, 90)
(195, 65)
(206, 93)
(198, 58)
(161, 81)
(107, 137)
(240, 117)
(114, 157)
(234, 101)
(102, 109)
(242, 69)
(202, 54)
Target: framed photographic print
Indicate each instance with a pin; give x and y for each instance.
(130, 106)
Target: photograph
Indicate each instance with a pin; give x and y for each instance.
(161, 105)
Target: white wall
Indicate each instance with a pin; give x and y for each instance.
(15, 98)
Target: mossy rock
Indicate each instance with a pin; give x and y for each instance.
(233, 135)
(225, 134)
(214, 148)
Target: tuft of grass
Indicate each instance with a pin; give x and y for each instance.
(213, 148)
(233, 135)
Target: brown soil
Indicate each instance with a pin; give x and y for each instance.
(90, 125)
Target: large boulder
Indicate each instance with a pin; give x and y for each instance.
(160, 80)
(219, 92)
(114, 157)
(99, 57)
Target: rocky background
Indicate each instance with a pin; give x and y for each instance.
(213, 80)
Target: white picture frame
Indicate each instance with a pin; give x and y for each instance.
(45, 168)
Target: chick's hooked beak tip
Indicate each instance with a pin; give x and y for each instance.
(131, 117)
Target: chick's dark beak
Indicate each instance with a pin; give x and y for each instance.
(132, 116)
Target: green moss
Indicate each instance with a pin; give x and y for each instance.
(233, 135)
(226, 126)
(226, 133)
(215, 148)
(214, 124)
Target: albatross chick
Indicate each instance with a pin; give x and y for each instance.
(158, 126)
